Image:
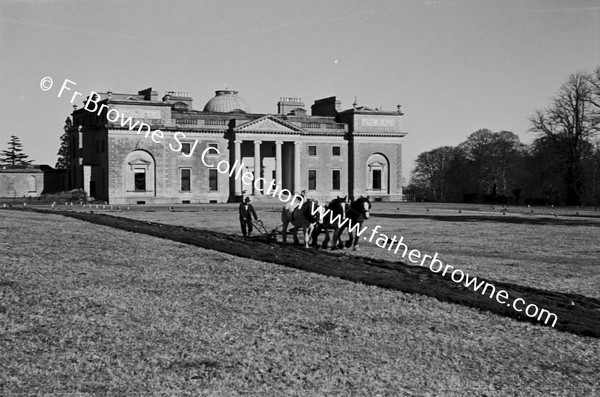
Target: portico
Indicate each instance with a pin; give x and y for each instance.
(268, 160)
(270, 150)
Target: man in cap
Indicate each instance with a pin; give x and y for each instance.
(246, 213)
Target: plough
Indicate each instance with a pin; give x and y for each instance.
(264, 234)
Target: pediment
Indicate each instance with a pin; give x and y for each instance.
(180, 106)
(268, 124)
(140, 161)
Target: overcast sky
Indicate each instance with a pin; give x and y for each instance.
(455, 66)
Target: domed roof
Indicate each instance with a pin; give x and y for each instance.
(226, 101)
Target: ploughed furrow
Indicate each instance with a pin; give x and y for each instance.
(576, 313)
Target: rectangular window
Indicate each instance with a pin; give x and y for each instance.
(214, 145)
(312, 150)
(312, 179)
(186, 148)
(335, 151)
(186, 185)
(213, 181)
(336, 180)
(139, 179)
(376, 179)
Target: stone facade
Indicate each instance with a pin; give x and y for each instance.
(30, 180)
(135, 148)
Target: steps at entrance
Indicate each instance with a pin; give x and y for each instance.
(263, 199)
(268, 199)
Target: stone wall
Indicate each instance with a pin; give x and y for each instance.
(165, 186)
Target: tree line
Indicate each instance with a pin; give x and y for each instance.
(561, 166)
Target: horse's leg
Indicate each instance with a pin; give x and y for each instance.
(350, 239)
(325, 243)
(284, 233)
(295, 229)
(336, 238)
(307, 233)
(341, 239)
(355, 243)
(314, 236)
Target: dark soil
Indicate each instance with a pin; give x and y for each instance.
(577, 314)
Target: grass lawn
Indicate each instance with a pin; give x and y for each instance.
(98, 311)
(535, 250)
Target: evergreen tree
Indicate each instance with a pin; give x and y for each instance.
(64, 157)
(14, 155)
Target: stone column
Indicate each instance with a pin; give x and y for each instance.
(238, 160)
(297, 181)
(257, 166)
(278, 167)
(87, 177)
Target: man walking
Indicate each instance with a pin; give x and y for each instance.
(246, 213)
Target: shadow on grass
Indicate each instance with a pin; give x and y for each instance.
(526, 220)
(575, 313)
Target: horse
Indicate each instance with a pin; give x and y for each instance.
(356, 214)
(336, 214)
(304, 217)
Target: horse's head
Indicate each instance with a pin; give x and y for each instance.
(362, 206)
(338, 205)
(343, 202)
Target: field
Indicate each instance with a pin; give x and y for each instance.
(92, 310)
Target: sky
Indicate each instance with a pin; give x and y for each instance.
(455, 66)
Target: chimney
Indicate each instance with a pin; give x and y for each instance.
(328, 107)
(289, 105)
(148, 94)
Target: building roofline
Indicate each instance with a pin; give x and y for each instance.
(376, 112)
(26, 168)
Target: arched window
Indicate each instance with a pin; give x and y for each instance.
(377, 174)
(32, 184)
(140, 173)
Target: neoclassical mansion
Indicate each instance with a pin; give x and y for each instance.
(357, 151)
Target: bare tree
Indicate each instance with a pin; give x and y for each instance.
(569, 123)
(492, 157)
(431, 171)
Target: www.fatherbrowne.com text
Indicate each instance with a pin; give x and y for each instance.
(396, 245)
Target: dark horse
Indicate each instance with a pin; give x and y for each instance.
(334, 220)
(356, 214)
